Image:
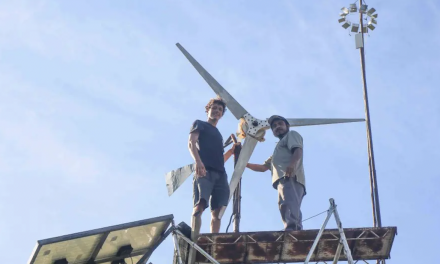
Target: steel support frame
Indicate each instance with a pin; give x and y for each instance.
(362, 239)
(342, 242)
(176, 234)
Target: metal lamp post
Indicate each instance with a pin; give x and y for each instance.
(360, 29)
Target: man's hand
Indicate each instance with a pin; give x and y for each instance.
(290, 170)
(230, 152)
(200, 169)
(233, 147)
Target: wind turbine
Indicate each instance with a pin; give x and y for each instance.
(250, 128)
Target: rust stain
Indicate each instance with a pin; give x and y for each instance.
(262, 247)
(327, 249)
(303, 235)
(230, 238)
(258, 250)
(266, 236)
(202, 240)
(273, 251)
(375, 245)
(229, 253)
(264, 252)
(298, 249)
(330, 236)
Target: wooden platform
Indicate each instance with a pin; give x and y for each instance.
(293, 246)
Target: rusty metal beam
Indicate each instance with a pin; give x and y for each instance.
(293, 246)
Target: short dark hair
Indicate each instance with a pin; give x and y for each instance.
(217, 100)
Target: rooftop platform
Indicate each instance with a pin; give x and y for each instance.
(293, 246)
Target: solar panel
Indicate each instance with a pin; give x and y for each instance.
(125, 243)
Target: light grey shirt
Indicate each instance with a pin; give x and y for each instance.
(282, 156)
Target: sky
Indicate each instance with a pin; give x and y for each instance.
(96, 103)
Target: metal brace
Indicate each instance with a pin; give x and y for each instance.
(343, 244)
(177, 233)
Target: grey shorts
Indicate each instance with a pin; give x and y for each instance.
(213, 187)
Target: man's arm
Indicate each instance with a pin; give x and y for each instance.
(230, 152)
(294, 162)
(257, 167)
(192, 145)
(295, 145)
(260, 167)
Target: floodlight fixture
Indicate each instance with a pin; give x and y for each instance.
(355, 28)
(363, 9)
(353, 8)
(365, 29)
(361, 27)
(371, 11)
(346, 24)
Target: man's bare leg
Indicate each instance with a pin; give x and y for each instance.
(215, 221)
(196, 223)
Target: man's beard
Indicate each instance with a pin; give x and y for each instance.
(280, 136)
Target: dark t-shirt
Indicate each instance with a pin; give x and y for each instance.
(210, 145)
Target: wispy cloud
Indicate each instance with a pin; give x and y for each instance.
(96, 102)
(71, 145)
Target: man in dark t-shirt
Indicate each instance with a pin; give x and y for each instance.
(210, 179)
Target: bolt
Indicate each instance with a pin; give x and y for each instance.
(255, 123)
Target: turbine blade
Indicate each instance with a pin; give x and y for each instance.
(243, 159)
(236, 109)
(320, 121)
(175, 178)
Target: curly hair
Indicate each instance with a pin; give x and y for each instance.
(218, 101)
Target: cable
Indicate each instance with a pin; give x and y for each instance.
(314, 216)
(230, 221)
(311, 217)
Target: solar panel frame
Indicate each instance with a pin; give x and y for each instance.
(103, 233)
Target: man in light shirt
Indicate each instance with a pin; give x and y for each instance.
(286, 165)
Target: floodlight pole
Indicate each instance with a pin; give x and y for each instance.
(377, 221)
(372, 167)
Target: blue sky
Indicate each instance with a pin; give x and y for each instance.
(96, 103)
